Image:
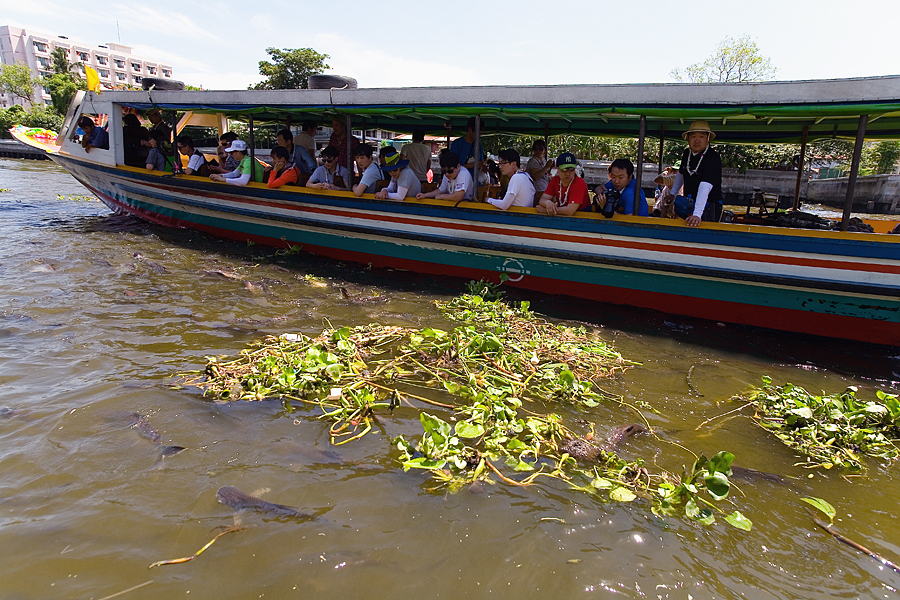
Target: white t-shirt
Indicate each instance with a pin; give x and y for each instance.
(419, 157)
(520, 192)
(196, 161)
(305, 140)
(463, 181)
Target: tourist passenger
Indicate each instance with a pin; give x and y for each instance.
(94, 137)
(160, 157)
(664, 205)
(701, 175)
(520, 191)
(404, 183)
(539, 167)
(283, 171)
(197, 164)
(418, 154)
(371, 174)
(621, 179)
(566, 193)
(133, 137)
(464, 147)
(456, 184)
(227, 164)
(246, 169)
(339, 140)
(323, 178)
(307, 136)
(299, 156)
(157, 124)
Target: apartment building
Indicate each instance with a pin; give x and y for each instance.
(116, 64)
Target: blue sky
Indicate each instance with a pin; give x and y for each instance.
(219, 44)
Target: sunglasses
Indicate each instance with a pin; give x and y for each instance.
(502, 163)
(329, 160)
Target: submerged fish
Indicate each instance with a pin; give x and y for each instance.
(620, 434)
(588, 450)
(238, 500)
(754, 475)
(140, 424)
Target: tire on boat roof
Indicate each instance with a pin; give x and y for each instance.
(325, 82)
(160, 83)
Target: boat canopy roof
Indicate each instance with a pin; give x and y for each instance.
(763, 112)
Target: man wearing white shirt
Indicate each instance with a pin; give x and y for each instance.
(520, 191)
(456, 183)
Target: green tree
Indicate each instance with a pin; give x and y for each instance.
(61, 64)
(37, 116)
(62, 87)
(17, 80)
(290, 69)
(735, 60)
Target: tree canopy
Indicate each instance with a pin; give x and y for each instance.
(17, 80)
(735, 60)
(290, 68)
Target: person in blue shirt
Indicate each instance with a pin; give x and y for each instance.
(299, 155)
(621, 179)
(464, 147)
(94, 137)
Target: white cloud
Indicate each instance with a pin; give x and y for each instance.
(148, 19)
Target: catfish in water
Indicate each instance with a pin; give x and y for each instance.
(238, 500)
(139, 423)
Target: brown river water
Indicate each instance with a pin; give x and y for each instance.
(99, 312)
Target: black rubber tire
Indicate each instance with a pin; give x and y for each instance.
(160, 83)
(325, 82)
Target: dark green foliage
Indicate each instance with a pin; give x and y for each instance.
(290, 68)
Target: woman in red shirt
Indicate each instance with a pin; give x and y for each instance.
(566, 193)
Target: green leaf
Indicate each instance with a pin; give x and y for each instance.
(341, 334)
(736, 519)
(766, 380)
(424, 463)
(803, 411)
(821, 505)
(566, 377)
(601, 483)
(334, 370)
(717, 485)
(467, 430)
(622, 494)
(721, 462)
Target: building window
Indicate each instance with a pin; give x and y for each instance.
(151, 70)
(83, 56)
(103, 73)
(120, 63)
(102, 60)
(138, 79)
(44, 62)
(167, 72)
(120, 76)
(136, 66)
(40, 46)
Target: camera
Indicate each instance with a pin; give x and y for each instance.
(612, 203)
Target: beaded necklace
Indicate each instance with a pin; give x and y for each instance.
(687, 167)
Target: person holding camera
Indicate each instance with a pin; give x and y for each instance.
(617, 195)
(566, 193)
(701, 175)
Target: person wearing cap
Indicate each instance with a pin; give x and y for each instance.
(566, 193)
(371, 174)
(456, 184)
(418, 154)
(323, 178)
(464, 147)
(520, 190)
(94, 137)
(246, 168)
(701, 176)
(663, 207)
(621, 179)
(539, 167)
(404, 183)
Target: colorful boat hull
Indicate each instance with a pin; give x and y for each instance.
(840, 285)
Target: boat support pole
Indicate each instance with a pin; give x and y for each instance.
(800, 167)
(349, 181)
(854, 170)
(662, 145)
(475, 151)
(176, 155)
(252, 152)
(639, 171)
(546, 141)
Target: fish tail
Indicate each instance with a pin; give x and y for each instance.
(171, 450)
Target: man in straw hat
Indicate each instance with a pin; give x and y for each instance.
(701, 176)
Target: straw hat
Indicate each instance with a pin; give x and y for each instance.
(699, 126)
(668, 180)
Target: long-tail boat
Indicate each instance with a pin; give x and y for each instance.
(829, 283)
